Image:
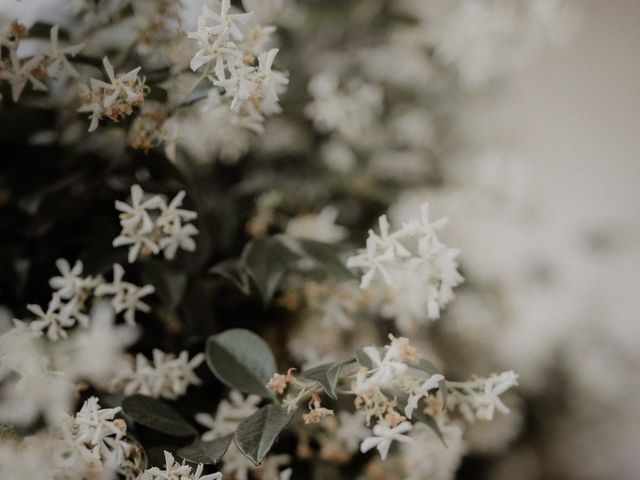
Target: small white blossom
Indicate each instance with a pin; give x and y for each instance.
(58, 56)
(385, 368)
(55, 320)
(480, 398)
(114, 99)
(320, 227)
(384, 435)
(20, 72)
(150, 225)
(125, 297)
(419, 271)
(176, 471)
(91, 441)
(351, 429)
(415, 396)
(228, 415)
(165, 376)
(179, 237)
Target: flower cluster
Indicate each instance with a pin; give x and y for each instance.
(151, 225)
(480, 398)
(349, 111)
(93, 442)
(228, 415)
(233, 56)
(72, 292)
(176, 471)
(19, 71)
(417, 268)
(114, 99)
(389, 386)
(165, 376)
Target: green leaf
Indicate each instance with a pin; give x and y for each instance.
(242, 360)
(325, 254)
(206, 453)
(157, 415)
(255, 435)
(430, 422)
(234, 271)
(430, 368)
(325, 375)
(267, 260)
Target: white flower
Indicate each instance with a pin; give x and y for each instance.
(489, 400)
(20, 72)
(228, 415)
(55, 320)
(91, 441)
(216, 34)
(320, 227)
(126, 297)
(121, 85)
(175, 471)
(351, 429)
(227, 24)
(374, 261)
(412, 260)
(384, 435)
(115, 98)
(179, 236)
(428, 457)
(150, 226)
(349, 112)
(385, 369)
(69, 281)
(166, 376)
(414, 397)
(57, 56)
(172, 212)
(136, 215)
(95, 353)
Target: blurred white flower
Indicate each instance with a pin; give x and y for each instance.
(320, 227)
(165, 376)
(419, 271)
(384, 435)
(174, 470)
(228, 415)
(125, 297)
(351, 429)
(58, 56)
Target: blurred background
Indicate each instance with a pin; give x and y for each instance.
(564, 241)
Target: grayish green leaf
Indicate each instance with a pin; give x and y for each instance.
(157, 415)
(325, 375)
(267, 260)
(234, 271)
(206, 453)
(325, 254)
(255, 435)
(241, 360)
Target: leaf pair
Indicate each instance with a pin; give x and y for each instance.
(266, 260)
(242, 360)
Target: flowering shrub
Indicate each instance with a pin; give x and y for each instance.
(234, 158)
